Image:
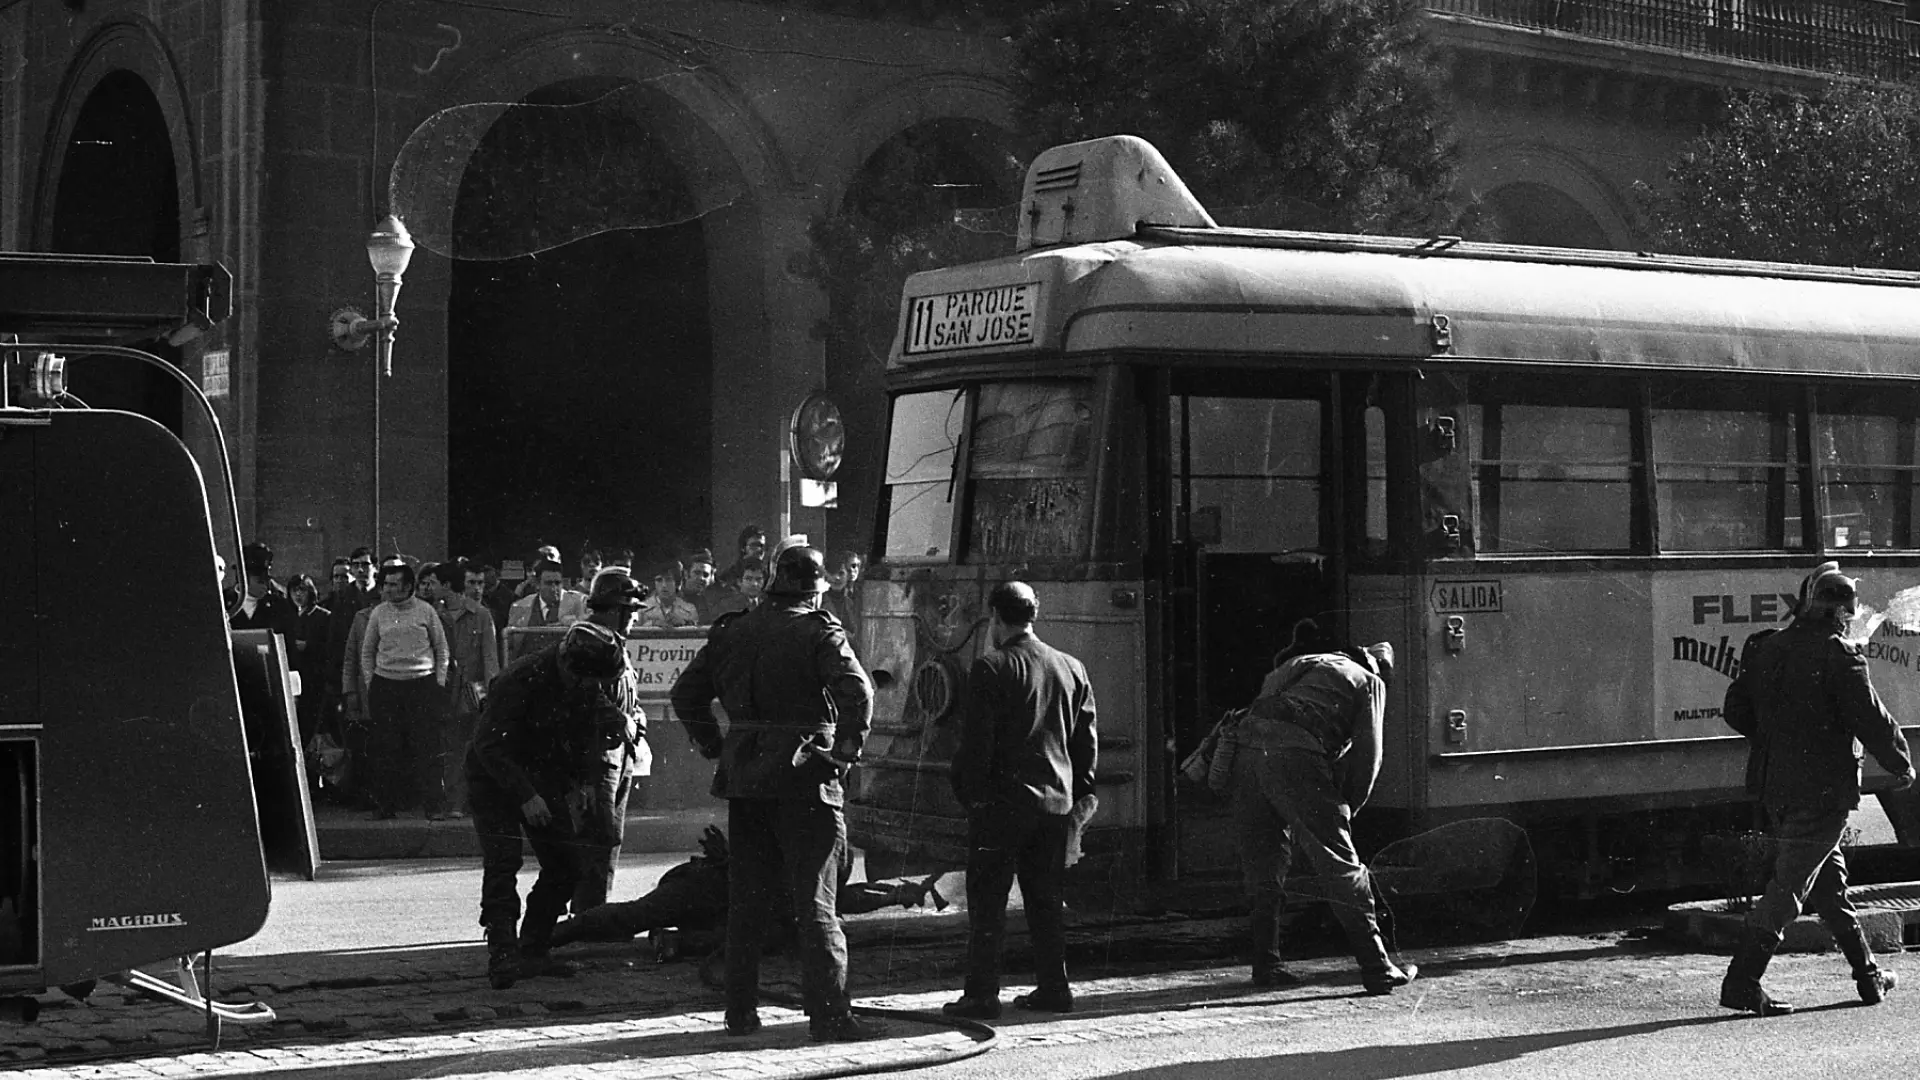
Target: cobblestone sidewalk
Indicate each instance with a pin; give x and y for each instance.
(387, 994)
(692, 1045)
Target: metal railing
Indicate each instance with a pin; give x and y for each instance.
(1869, 38)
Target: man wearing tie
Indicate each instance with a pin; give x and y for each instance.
(550, 604)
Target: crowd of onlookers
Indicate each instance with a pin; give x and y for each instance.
(395, 655)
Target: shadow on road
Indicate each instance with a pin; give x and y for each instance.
(1417, 1059)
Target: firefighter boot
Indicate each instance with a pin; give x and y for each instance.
(1872, 982)
(1378, 973)
(503, 955)
(1263, 945)
(1741, 988)
(536, 937)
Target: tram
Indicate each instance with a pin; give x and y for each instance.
(1565, 485)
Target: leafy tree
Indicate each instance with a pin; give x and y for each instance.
(1322, 114)
(1298, 113)
(936, 195)
(1833, 179)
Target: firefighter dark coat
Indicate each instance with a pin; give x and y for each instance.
(1806, 706)
(537, 737)
(785, 675)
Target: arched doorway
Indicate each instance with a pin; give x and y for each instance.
(580, 386)
(119, 194)
(1533, 213)
(938, 193)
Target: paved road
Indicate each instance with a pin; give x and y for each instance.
(1567, 1007)
(375, 971)
(1600, 1018)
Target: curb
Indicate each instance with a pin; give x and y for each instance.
(1708, 925)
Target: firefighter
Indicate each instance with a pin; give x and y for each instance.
(538, 755)
(798, 705)
(1806, 704)
(1308, 754)
(615, 600)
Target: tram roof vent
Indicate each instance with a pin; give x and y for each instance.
(1103, 189)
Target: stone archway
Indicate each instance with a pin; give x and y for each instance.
(1532, 213)
(741, 186)
(118, 193)
(939, 191)
(1531, 193)
(131, 45)
(580, 375)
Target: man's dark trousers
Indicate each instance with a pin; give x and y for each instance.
(498, 822)
(603, 851)
(404, 733)
(804, 842)
(1005, 841)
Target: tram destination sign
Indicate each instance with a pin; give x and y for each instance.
(989, 318)
(1453, 597)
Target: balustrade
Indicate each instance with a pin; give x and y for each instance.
(1871, 38)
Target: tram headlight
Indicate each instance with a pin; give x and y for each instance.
(818, 437)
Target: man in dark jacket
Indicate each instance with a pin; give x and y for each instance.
(1802, 698)
(1026, 756)
(541, 748)
(792, 689)
(264, 605)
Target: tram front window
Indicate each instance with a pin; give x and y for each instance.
(921, 457)
(1031, 451)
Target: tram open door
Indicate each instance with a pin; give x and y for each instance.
(129, 835)
(1255, 542)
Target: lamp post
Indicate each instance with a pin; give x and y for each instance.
(389, 249)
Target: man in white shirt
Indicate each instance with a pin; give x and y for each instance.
(665, 608)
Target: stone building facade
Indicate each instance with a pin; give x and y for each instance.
(626, 376)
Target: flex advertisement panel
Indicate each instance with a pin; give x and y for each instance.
(1701, 620)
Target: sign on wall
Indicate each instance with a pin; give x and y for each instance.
(659, 660)
(1452, 596)
(215, 380)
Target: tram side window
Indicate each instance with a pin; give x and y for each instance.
(1030, 469)
(1250, 478)
(1551, 478)
(1375, 421)
(921, 454)
(1869, 466)
(1726, 480)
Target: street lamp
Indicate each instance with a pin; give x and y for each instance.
(389, 249)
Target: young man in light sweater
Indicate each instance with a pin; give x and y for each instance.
(403, 668)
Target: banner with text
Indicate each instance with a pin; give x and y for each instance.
(659, 656)
(1701, 620)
